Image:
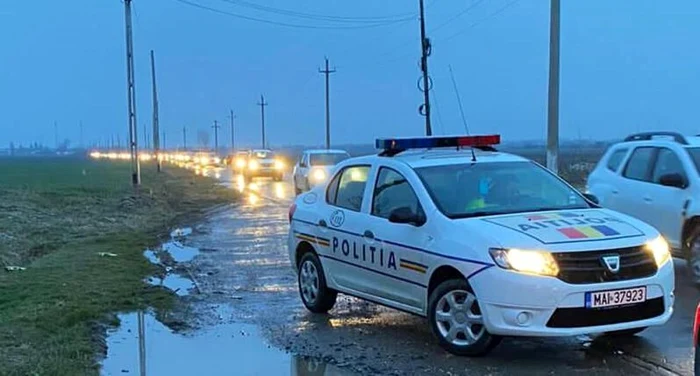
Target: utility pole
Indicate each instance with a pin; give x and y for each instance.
(553, 108)
(231, 116)
(216, 127)
(156, 125)
(262, 105)
(131, 98)
(145, 137)
(163, 133)
(184, 138)
(328, 72)
(426, 49)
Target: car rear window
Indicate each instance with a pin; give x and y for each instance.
(327, 159)
(615, 159)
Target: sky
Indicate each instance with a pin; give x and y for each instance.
(626, 66)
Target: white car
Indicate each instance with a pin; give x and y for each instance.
(314, 167)
(654, 177)
(264, 163)
(484, 244)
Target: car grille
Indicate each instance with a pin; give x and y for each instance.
(588, 267)
(583, 317)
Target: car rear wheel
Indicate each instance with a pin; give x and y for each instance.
(692, 253)
(626, 332)
(457, 321)
(315, 294)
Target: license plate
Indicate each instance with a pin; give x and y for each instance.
(612, 298)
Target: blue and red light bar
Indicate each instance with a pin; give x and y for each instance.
(397, 144)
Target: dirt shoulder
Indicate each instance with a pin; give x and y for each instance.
(76, 231)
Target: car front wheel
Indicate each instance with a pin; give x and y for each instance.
(315, 294)
(457, 321)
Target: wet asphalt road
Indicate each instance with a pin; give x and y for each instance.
(244, 265)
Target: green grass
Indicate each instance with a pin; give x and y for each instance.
(57, 216)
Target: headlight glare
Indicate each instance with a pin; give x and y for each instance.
(660, 249)
(318, 175)
(253, 165)
(279, 164)
(531, 262)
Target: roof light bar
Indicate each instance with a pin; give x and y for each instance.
(399, 144)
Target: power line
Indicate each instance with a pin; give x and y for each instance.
(458, 15)
(277, 23)
(490, 16)
(322, 17)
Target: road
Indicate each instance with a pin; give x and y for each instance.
(244, 264)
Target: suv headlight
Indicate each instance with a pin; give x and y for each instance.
(279, 164)
(253, 165)
(660, 249)
(318, 175)
(531, 262)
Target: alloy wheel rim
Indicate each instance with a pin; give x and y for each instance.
(309, 282)
(459, 319)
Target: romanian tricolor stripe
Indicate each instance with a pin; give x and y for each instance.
(542, 217)
(411, 265)
(313, 239)
(588, 232)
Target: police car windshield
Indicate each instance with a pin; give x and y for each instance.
(327, 159)
(481, 189)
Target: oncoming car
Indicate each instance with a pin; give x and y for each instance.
(482, 243)
(314, 167)
(264, 163)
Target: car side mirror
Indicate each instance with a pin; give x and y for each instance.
(592, 198)
(673, 180)
(405, 215)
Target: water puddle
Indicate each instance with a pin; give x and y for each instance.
(230, 349)
(180, 252)
(178, 284)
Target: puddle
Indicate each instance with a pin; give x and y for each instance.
(151, 256)
(178, 284)
(230, 349)
(180, 252)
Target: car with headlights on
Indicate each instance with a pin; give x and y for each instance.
(314, 167)
(484, 244)
(264, 163)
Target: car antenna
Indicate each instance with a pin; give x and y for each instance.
(461, 110)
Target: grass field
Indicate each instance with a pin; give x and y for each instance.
(57, 216)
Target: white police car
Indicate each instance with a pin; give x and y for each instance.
(484, 244)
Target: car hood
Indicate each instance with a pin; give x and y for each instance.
(584, 229)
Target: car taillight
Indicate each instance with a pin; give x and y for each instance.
(292, 209)
(696, 325)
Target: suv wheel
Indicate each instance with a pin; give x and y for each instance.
(692, 253)
(315, 294)
(456, 320)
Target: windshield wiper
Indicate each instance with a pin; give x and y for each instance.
(482, 213)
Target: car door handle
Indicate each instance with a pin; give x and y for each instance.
(647, 199)
(615, 191)
(322, 223)
(369, 234)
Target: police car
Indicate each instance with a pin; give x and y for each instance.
(482, 243)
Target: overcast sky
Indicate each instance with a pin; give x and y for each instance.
(625, 66)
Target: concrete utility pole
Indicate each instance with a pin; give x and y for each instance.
(553, 109)
(425, 52)
(145, 137)
(184, 138)
(216, 127)
(262, 105)
(156, 125)
(232, 117)
(328, 72)
(131, 98)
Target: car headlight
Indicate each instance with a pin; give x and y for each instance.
(253, 165)
(240, 163)
(318, 175)
(531, 262)
(217, 160)
(279, 164)
(660, 249)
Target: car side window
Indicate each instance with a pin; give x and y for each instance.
(348, 187)
(667, 162)
(615, 159)
(392, 191)
(639, 164)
